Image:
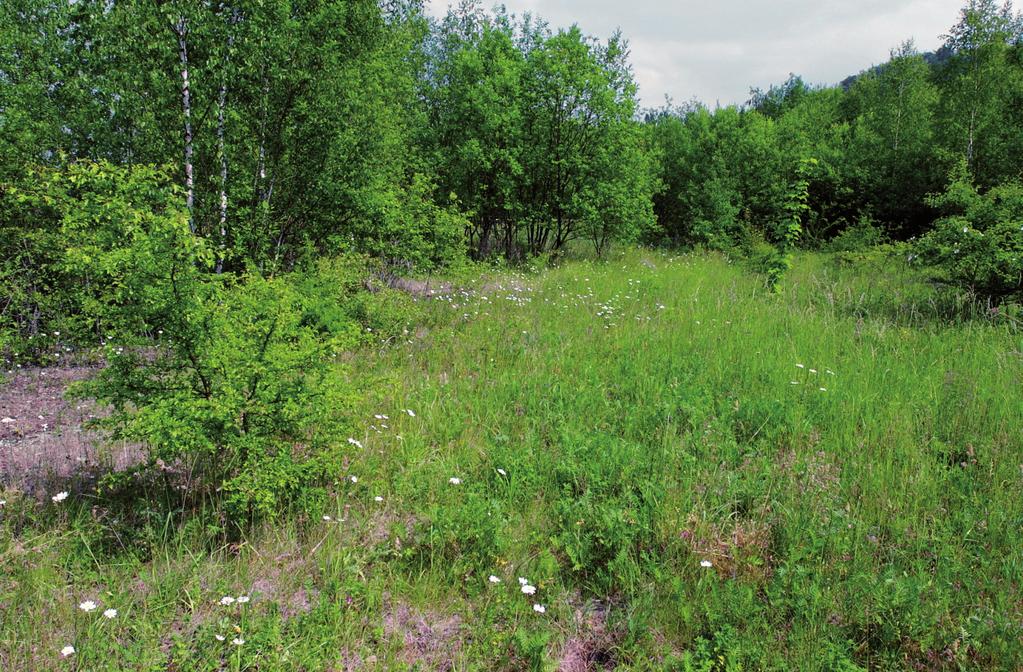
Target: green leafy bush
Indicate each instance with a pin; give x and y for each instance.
(978, 244)
(860, 237)
(230, 382)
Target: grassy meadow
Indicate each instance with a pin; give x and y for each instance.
(690, 472)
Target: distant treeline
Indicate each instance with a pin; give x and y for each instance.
(298, 128)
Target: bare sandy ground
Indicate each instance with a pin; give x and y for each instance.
(42, 438)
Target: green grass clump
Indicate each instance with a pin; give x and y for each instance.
(846, 457)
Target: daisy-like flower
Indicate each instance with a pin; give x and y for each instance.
(493, 579)
(528, 589)
(219, 638)
(327, 518)
(539, 608)
(87, 606)
(59, 497)
(502, 472)
(67, 651)
(3, 503)
(523, 581)
(454, 480)
(706, 564)
(378, 498)
(353, 479)
(410, 412)
(110, 613)
(242, 599)
(824, 389)
(226, 601)
(237, 641)
(355, 442)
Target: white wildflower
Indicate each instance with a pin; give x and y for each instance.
(523, 581)
(110, 613)
(502, 472)
(226, 601)
(87, 606)
(706, 564)
(242, 599)
(355, 442)
(378, 498)
(410, 412)
(67, 651)
(237, 641)
(454, 480)
(493, 579)
(59, 497)
(220, 638)
(528, 589)
(539, 608)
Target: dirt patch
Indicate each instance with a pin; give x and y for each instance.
(42, 438)
(428, 639)
(591, 645)
(418, 288)
(738, 548)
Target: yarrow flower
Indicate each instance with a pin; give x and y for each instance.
(378, 498)
(493, 579)
(502, 472)
(226, 601)
(528, 589)
(87, 606)
(706, 564)
(242, 599)
(523, 581)
(353, 479)
(59, 497)
(327, 518)
(539, 608)
(220, 638)
(410, 412)
(455, 480)
(355, 442)
(67, 651)
(110, 613)
(237, 641)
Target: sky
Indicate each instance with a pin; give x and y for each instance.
(716, 50)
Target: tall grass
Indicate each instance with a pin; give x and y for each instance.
(846, 456)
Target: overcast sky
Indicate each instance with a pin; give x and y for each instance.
(715, 50)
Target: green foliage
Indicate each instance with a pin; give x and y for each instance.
(860, 237)
(788, 230)
(977, 244)
(534, 134)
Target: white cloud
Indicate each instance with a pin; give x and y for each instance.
(716, 51)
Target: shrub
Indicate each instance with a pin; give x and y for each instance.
(978, 244)
(860, 237)
(229, 381)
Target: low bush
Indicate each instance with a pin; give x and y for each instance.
(978, 244)
(231, 382)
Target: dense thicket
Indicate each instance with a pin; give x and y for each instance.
(883, 142)
(302, 128)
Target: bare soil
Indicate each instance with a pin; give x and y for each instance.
(42, 437)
